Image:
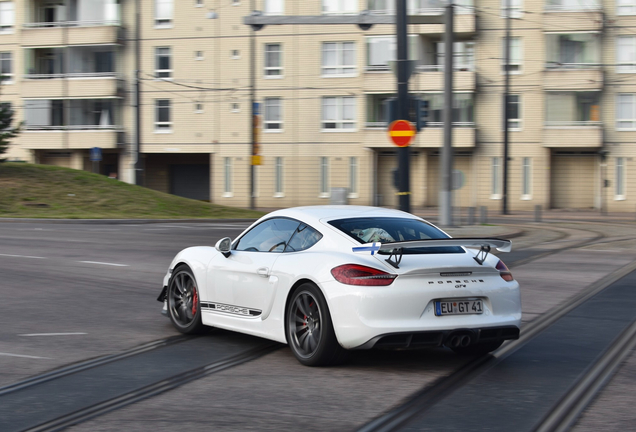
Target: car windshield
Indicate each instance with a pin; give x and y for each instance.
(388, 229)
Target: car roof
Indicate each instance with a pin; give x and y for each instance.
(314, 214)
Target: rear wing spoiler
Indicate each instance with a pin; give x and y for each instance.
(483, 244)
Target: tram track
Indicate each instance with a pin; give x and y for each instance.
(564, 413)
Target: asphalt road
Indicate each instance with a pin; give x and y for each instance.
(74, 292)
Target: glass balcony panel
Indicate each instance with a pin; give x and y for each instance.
(573, 51)
(572, 109)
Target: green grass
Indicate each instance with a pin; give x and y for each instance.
(44, 191)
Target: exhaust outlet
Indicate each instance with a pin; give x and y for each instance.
(454, 342)
(464, 341)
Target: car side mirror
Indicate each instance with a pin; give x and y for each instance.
(224, 246)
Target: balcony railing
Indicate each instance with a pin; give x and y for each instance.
(573, 123)
(72, 75)
(440, 68)
(383, 125)
(570, 6)
(71, 127)
(72, 24)
(557, 65)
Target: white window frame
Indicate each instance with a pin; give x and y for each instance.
(6, 56)
(620, 177)
(7, 17)
(279, 178)
(626, 66)
(236, 2)
(519, 64)
(268, 71)
(227, 178)
(267, 121)
(163, 19)
(353, 177)
(495, 178)
(325, 191)
(273, 7)
(516, 124)
(198, 107)
(158, 56)
(235, 107)
(342, 7)
(163, 126)
(199, 55)
(625, 96)
(198, 3)
(339, 121)
(235, 54)
(340, 67)
(516, 8)
(627, 8)
(526, 178)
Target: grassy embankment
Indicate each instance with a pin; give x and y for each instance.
(43, 191)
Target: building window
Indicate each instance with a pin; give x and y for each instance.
(163, 121)
(7, 17)
(526, 178)
(572, 5)
(516, 55)
(495, 183)
(198, 55)
(273, 114)
(278, 183)
(6, 67)
(573, 51)
(572, 109)
(273, 60)
(516, 8)
(339, 113)
(383, 49)
(620, 179)
(626, 7)
(514, 112)
(227, 178)
(338, 58)
(163, 66)
(163, 13)
(235, 54)
(198, 108)
(235, 108)
(339, 6)
(236, 2)
(463, 109)
(626, 111)
(198, 3)
(463, 57)
(324, 177)
(274, 7)
(353, 177)
(626, 54)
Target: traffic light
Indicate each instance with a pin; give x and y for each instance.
(421, 112)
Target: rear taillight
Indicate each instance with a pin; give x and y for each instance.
(354, 274)
(504, 272)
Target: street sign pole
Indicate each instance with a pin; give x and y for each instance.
(404, 192)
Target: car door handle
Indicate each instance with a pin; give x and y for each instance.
(263, 271)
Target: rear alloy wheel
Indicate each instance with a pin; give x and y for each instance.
(183, 301)
(478, 349)
(309, 329)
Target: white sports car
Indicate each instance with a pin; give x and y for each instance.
(327, 279)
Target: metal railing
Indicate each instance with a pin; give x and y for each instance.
(573, 7)
(440, 68)
(383, 125)
(573, 123)
(377, 68)
(71, 127)
(553, 65)
(72, 75)
(94, 23)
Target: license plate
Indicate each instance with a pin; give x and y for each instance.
(458, 307)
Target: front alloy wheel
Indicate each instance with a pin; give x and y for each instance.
(183, 301)
(309, 328)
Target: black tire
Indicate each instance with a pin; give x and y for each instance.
(309, 329)
(478, 349)
(184, 304)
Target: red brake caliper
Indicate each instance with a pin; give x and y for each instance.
(195, 300)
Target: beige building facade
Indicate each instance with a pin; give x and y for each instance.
(68, 69)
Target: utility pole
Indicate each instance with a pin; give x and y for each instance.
(403, 102)
(446, 187)
(138, 162)
(504, 194)
(253, 110)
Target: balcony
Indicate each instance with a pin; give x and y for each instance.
(70, 138)
(573, 134)
(464, 135)
(464, 10)
(573, 77)
(575, 14)
(432, 78)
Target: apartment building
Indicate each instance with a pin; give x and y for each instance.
(68, 69)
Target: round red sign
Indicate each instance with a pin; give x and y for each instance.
(401, 132)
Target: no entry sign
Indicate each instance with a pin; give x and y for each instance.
(401, 132)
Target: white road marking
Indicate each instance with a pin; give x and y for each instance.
(52, 334)
(104, 263)
(23, 256)
(23, 356)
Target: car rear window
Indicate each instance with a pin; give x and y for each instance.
(388, 230)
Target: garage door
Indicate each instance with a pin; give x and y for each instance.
(190, 181)
(573, 181)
